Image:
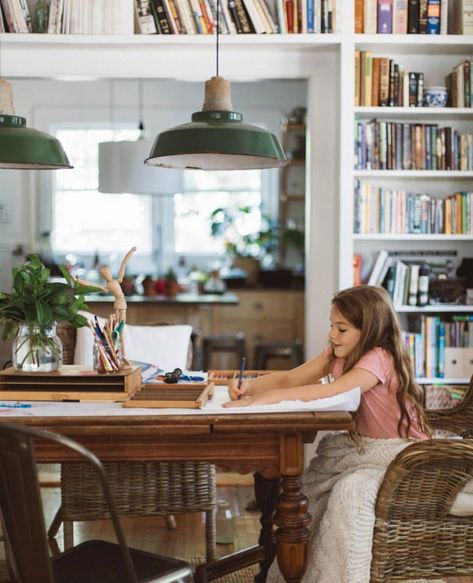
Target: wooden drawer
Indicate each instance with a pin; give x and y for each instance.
(263, 305)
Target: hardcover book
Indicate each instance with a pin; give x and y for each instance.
(385, 16)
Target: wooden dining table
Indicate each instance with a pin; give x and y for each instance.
(271, 445)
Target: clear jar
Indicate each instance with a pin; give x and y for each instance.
(37, 348)
(224, 523)
(98, 361)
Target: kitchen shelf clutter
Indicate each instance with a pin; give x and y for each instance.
(412, 208)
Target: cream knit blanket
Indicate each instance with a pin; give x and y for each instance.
(342, 484)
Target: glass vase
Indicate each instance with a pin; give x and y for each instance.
(37, 348)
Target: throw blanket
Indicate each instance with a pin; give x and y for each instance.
(342, 484)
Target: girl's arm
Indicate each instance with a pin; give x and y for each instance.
(356, 377)
(302, 375)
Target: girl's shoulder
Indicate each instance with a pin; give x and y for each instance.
(378, 361)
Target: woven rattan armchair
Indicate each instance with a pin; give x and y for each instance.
(458, 419)
(414, 534)
(139, 488)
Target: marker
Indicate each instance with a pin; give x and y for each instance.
(15, 405)
(240, 377)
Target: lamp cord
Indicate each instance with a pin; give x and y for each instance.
(217, 31)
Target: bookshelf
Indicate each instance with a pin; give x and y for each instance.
(435, 56)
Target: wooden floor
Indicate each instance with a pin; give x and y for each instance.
(151, 533)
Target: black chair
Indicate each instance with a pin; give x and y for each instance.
(290, 350)
(233, 344)
(93, 561)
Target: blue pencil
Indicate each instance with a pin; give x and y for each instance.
(240, 377)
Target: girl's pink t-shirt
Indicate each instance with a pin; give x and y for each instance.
(379, 411)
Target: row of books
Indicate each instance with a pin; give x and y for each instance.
(379, 81)
(426, 349)
(236, 16)
(69, 17)
(460, 85)
(383, 210)
(414, 16)
(386, 145)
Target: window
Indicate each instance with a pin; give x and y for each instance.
(85, 220)
(207, 191)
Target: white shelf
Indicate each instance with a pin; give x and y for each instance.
(409, 237)
(423, 44)
(187, 57)
(417, 112)
(445, 174)
(437, 381)
(434, 308)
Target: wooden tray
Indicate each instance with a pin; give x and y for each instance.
(165, 395)
(69, 383)
(228, 375)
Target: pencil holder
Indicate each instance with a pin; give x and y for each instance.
(107, 360)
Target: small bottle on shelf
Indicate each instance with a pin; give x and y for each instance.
(224, 523)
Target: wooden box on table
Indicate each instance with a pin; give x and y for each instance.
(69, 383)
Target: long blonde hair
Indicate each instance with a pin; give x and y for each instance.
(370, 310)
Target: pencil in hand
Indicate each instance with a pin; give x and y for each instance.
(240, 376)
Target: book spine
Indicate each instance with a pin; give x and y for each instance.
(234, 14)
(444, 17)
(385, 17)
(433, 17)
(400, 16)
(359, 16)
(370, 17)
(161, 17)
(413, 17)
(422, 16)
(243, 17)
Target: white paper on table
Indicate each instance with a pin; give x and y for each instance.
(347, 401)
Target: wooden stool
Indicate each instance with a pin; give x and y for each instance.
(291, 350)
(226, 343)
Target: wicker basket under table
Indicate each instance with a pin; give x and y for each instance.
(139, 488)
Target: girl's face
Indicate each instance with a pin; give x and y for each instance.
(343, 335)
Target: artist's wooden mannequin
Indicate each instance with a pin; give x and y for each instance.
(113, 286)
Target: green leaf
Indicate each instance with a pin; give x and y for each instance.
(67, 276)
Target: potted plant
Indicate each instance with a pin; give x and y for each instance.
(172, 286)
(247, 247)
(30, 313)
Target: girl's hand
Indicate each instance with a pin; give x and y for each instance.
(265, 398)
(243, 402)
(238, 393)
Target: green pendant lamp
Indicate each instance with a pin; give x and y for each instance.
(217, 138)
(23, 148)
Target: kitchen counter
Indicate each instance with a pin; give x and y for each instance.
(227, 298)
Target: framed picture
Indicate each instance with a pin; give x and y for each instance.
(295, 180)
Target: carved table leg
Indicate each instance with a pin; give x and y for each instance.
(266, 492)
(292, 516)
(292, 535)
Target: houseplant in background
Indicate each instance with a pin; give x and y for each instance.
(31, 311)
(247, 245)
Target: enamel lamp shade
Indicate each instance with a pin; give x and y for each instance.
(24, 148)
(216, 138)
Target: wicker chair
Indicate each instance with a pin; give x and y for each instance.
(139, 488)
(414, 534)
(458, 419)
